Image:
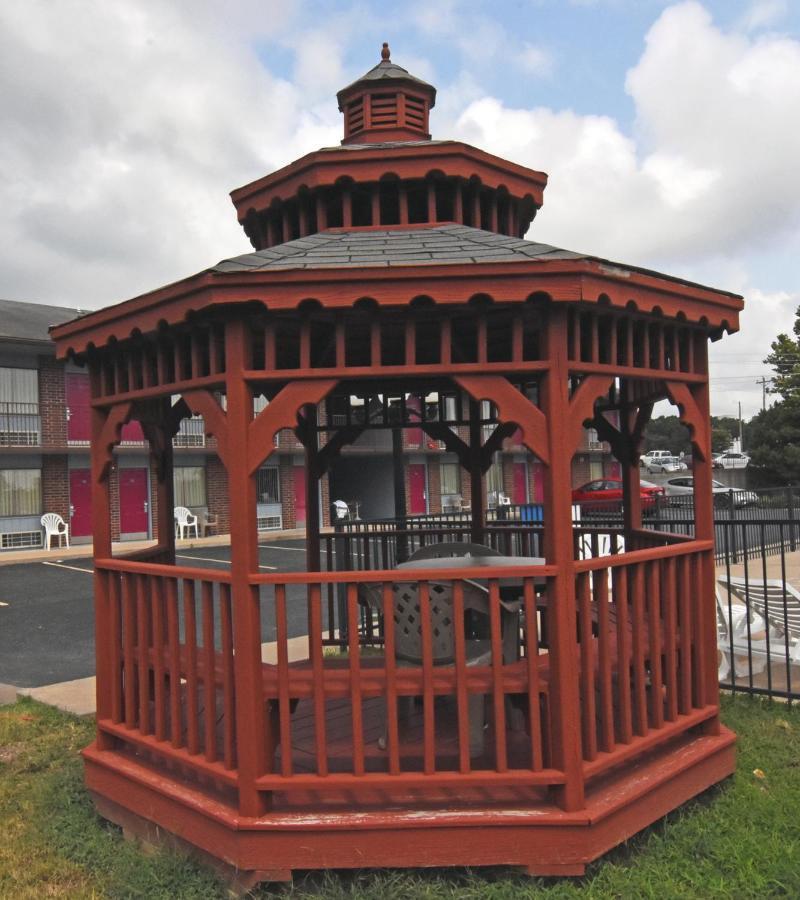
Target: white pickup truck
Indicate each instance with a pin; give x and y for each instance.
(662, 461)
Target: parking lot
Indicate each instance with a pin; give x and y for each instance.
(47, 616)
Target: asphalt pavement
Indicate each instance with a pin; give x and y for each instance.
(47, 612)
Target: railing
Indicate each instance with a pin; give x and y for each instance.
(20, 425)
(331, 716)
(192, 433)
(639, 613)
(170, 661)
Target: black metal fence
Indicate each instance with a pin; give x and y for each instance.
(757, 554)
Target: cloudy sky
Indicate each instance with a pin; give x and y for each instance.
(669, 130)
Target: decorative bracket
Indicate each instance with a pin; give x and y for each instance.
(581, 406)
(110, 434)
(282, 413)
(512, 406)
(698, 425)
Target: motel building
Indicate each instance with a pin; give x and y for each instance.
(44, 459)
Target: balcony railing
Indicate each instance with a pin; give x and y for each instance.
(192, 433)
(20, 425)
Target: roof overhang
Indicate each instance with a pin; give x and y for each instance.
(572, 281)
(365, 163)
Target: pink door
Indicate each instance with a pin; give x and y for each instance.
(132, 433)
(78, 424)
(538, 483)
(80, 502)
(416, 489)
(133, 501)
(520, 494)
(300, 495)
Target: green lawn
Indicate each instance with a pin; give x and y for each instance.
(740, 840)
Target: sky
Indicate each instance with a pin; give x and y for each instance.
(670, 132)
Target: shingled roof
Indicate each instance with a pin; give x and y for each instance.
(30, 321)
(439, 244)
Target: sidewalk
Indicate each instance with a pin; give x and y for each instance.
(78, 697)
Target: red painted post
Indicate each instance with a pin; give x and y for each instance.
(561, 613)
(478, 499)
(251, 721)
(101, 531)
(704, 531)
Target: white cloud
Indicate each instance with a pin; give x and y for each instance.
(763, 13)
(535, 60)
(121, 141)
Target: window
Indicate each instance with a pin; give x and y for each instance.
(450, 477)
(19, 407)
(494, 483)
(20, 492)
(190, 486)
(268, 485)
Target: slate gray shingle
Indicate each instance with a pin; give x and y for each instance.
(444, 244)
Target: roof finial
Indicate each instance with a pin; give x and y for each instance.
(385, 52)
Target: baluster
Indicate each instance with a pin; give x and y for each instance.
(209, 672)
(143, 623)
(228, 699)
(498, 696)
(601, 577)
(620, 591)
(584, 600)
(173, 637)
(354, 661)
(532, 660)
(654, 617)
(318, 668)
(670, 642)
(190, 639)
(115, 649)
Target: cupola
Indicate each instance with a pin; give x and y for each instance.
(386, 104)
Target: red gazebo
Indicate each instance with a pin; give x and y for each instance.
(390, 286)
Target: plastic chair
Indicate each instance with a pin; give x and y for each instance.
(341, 509)
(184, 522)
(54, 526)
(408, 638)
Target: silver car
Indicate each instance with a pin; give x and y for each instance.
(666, 464)
(683, 486)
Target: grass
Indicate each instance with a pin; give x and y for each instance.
(740, 840)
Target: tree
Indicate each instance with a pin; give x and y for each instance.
(667, 433)
(774, 434)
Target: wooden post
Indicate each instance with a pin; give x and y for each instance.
(399, 480)
(165, 494)
(631, 486)
(431, 200)
(101, 531)
(478, 500)
(704, 531)
(310, 439)
(558, 544)
(347, 207)
(251, 721)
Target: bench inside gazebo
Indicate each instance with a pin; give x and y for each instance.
(470, 691)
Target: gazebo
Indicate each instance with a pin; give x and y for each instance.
(390, 286)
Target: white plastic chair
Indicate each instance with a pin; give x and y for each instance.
(184, 522)
(54, 526)
(341, 509)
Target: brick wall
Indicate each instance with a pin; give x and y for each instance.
(55, 486)
(52, 402)
(217, 493)
(325, 500)
(286, 476)
(113, 486)
(434, 485)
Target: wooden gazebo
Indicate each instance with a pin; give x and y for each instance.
(394, 266)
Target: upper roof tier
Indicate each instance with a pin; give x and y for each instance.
(386, 104)
(388, 172)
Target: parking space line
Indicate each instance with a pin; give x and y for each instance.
(274, 547)
(63, 566)
(211, 559)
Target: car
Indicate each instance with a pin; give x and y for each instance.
(731, 460)
(666, 464)
(683, 486)
(653, 455)
(605, 494)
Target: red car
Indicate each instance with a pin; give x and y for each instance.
(606, 494)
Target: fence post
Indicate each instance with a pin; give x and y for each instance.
(792, 524)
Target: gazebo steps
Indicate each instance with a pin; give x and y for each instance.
(479, 827)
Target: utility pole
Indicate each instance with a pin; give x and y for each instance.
(763, 382)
